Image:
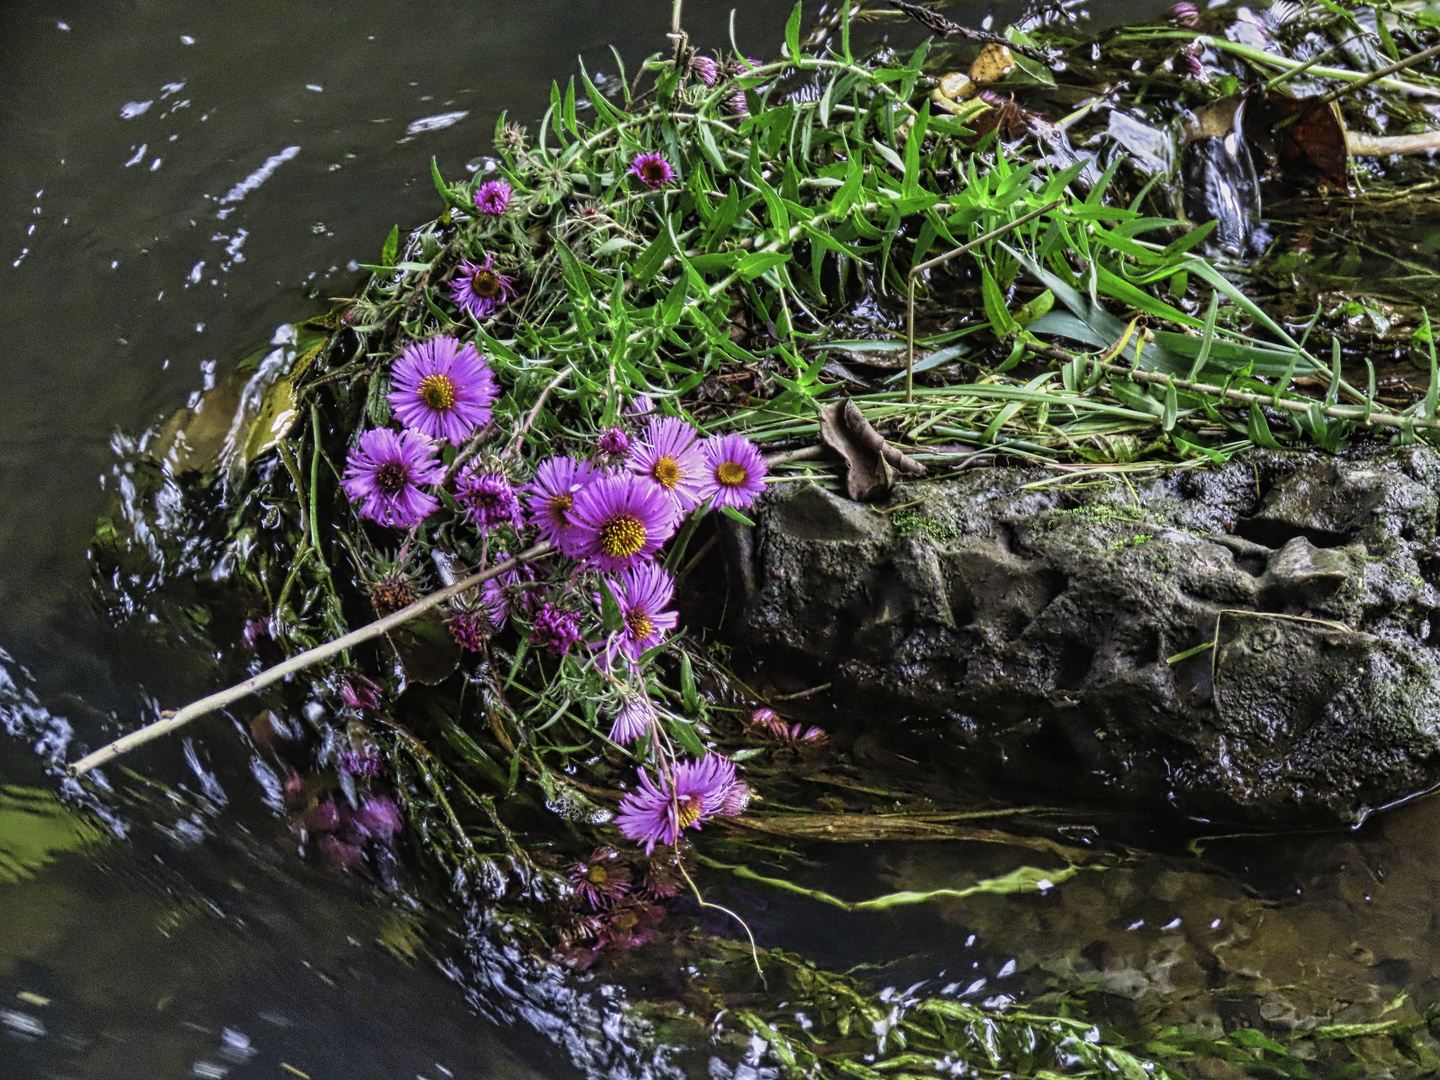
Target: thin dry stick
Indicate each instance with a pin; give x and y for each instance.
(1374, 76)
(296, 663)
(910, 284)
(539, 404)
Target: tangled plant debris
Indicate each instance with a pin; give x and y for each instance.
(582, 377)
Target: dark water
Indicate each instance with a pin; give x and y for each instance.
(178, 180)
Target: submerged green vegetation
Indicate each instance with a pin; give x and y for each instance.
(735, 245)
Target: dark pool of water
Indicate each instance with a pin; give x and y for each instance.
(176, 181)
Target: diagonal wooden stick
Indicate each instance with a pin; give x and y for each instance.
(299, 662)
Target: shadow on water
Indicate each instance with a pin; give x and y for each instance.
(179, 180)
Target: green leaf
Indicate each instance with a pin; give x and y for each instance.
(611, 619)
(684, 733)
(792, 34)
(736, 515)
(996, 310)
(757, 262)
(447, 192)
(689, 693)
(391, 247)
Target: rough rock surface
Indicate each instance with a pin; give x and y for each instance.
(1024, 624)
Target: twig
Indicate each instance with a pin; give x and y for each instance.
(910, 284)
(296, 663)
(539, 404)
(1374, 76)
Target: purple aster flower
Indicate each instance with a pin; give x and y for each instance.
(614, 443)
(358, 692)
(642, 593)
(737, 104)
(640, 405)
(480, 289)
(442, 388)
(688, 795)
(492, 197)
(488, 498)
(550, 496)
(383, 474)
(705, 69)
(670, 456)
(652, 170)
(734, 471)
(470, 625)
(554, 629)
(601, 879)
(634, 720)
(620, 520)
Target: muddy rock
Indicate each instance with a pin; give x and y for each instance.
(1250, 643)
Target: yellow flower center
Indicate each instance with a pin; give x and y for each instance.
(731, 474)
(641, 626)
(688, 810)
(597, 875)
(437, 391)
(625, 921)
(485, 283)
(559, 504)
(666, 472)
(622, 536)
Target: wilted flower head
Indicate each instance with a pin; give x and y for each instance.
(705, 68)
(735, 799)
(614, 443)
(652, 170)
(357, 691)
(383, 475)
(634, 719)
(643, 592)
(550, 496)
(474, 622)
(670, 456)
(254, 630)
(1189, 63)
(488, 498)
(737, 104)
(360, 762)
(620, 521)
(554, 629)
(629, 924)
(688, 795)
(735, 471)
(391, 592)
(511, 137)
(480, 289)
(1185, 14)
(443, 389)
(602, 878)
(662, 876)
(492, 197)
